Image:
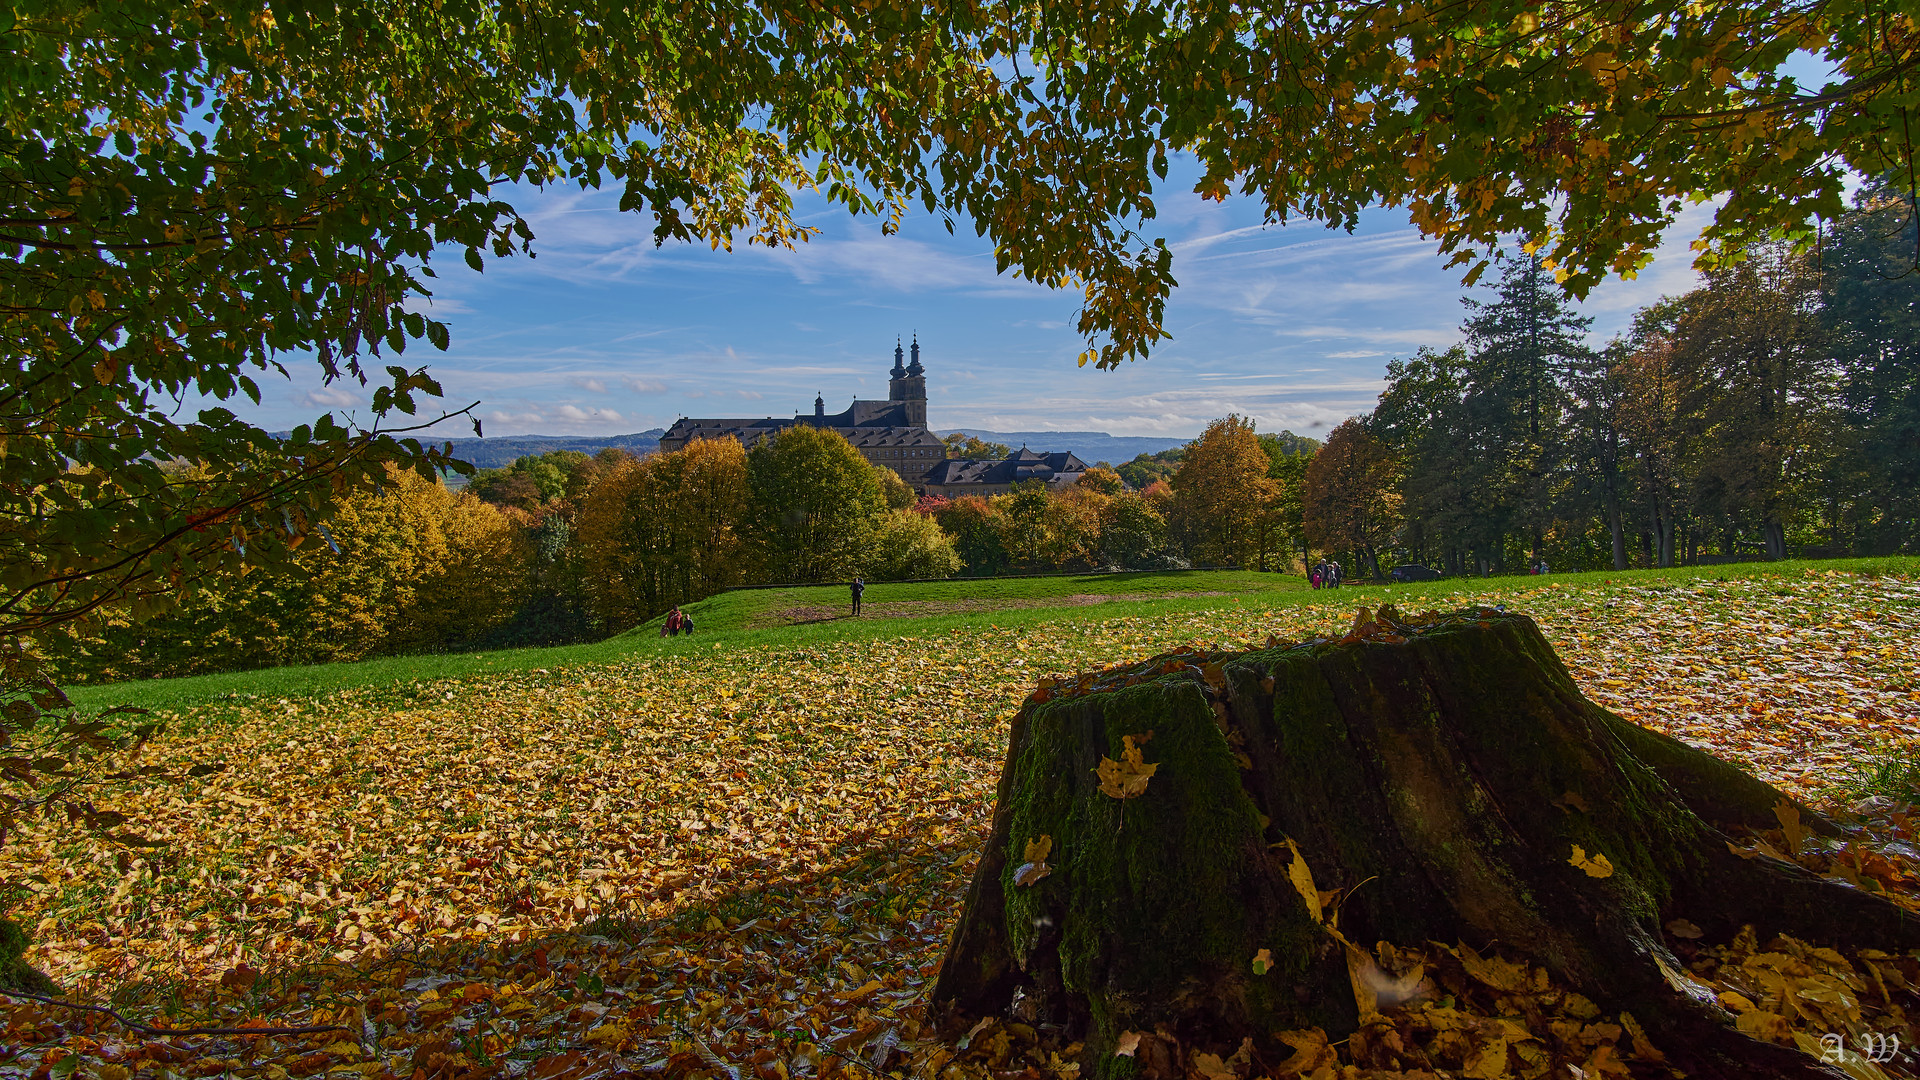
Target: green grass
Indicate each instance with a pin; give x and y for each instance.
(740, 619)
(1893, 773)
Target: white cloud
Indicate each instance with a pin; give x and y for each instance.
(438, 306)
(539, 418)
(331, 397)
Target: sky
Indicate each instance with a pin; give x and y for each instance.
(604, 334)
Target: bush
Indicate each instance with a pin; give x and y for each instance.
(909, 547)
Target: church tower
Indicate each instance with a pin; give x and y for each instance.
(909, 385)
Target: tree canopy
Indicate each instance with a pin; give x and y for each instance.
(196, 194)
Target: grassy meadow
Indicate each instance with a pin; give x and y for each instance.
(569, 862)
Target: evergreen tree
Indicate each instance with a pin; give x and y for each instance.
(1522, 347)
(1759, 391)
(1872, 312)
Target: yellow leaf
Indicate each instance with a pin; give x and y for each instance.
(1596, 866)
(1126, 778)
(1488, 1061)
(1302, 877)
(1790, 825)
(1262, 961)
(1500, 974)
(1211, 1067)
(1643, 1049)
(1764, 1025)
(1736, 1002)
(1363, 974)
(607, 1036)
(1310, 1052)
(1038, 850)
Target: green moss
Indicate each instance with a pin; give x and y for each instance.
(1154, 902)
(15, 972)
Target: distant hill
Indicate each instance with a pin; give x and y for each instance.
(1088, 446)
(494, 453)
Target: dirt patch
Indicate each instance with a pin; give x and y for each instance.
(906, 609)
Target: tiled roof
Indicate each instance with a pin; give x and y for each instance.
(1023, 465)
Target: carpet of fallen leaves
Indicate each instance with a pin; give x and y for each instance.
(744, 862)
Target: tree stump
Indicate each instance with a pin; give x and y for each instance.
(1442, 779)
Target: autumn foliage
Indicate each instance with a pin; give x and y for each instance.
(416, 567)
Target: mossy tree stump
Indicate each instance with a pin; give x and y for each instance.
(1438, 775)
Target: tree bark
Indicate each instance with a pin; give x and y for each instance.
(1616, 529)
(1776, 537)
(1441, 774)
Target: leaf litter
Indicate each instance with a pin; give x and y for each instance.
(744, 863)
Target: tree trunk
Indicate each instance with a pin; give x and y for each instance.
(1442, 775)
(1617, 529)
(1776, 536)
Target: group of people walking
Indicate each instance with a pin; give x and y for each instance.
(1325, 574)
(678, 622)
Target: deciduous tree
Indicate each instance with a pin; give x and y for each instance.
(974, 525)
(665, 530)
(1352, 501)
(1221, 493)
(814, 505)
(910, 547)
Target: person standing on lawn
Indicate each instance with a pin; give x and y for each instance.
(857, 588)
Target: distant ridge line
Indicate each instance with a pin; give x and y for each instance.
(498, 451)
(1088, 446)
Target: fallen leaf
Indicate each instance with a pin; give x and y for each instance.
(1127, 1045)
(1301, 875)
(1791, 826)
(1262, 962)
(1310, 1052)
(1126, 778)
(1596, 866)
(1029, 873)
(1211, 1067)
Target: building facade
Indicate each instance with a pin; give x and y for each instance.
(891, 433)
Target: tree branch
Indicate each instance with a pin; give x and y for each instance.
(144, 1029)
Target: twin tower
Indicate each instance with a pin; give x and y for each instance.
(906, 404)
(908, 385)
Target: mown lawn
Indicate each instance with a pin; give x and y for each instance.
(567, 862)
(749, 617)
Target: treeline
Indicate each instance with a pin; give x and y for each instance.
(566, 547)
(1773, 411)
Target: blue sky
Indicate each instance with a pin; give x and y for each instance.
(604, 334)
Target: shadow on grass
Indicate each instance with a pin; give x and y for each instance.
(834, 955)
